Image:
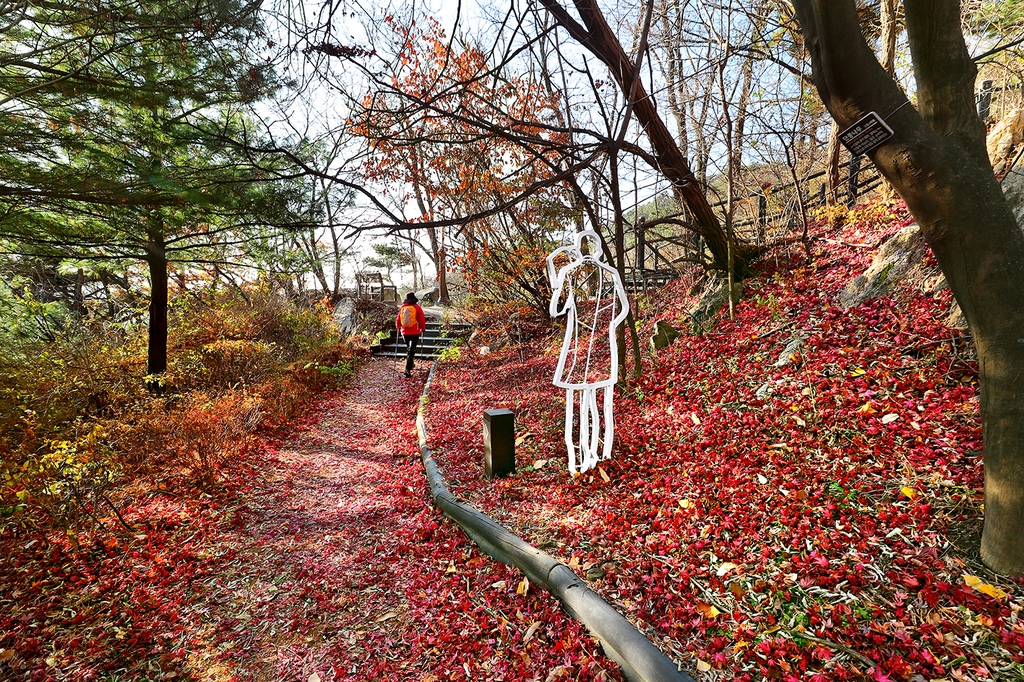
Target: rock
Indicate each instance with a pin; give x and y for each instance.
(499, 342)
(494, 341)
(714, 299)
(1013, 188)
(786, 356)
(427, 296)
(901, 259)
(955, 317)
(343, 316)
(664, 334)
(903, 253)
(1005, 135)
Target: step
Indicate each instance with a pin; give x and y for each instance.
(419, 356)
(425, 339)
(433, 341)
(402, 348)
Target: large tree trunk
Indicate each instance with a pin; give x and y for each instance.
(156, 257)
(937, 162)
(598, 38)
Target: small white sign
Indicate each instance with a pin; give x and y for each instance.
(866, 134)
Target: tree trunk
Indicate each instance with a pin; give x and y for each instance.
(890, 30)
(437, 251)
(937, 162)
(598, 38)
(442, 277)
(672, 69)
(156, 258)
(887, 44)
(414, 262)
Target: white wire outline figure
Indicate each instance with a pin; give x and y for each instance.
(563, 283)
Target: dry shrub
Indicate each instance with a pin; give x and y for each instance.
(513, 322)
(208, 431)
(224, 363)
(374, 316)
(76, 421)
(257, 314)
(283, 397)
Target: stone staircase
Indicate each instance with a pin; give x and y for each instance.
(438, 337)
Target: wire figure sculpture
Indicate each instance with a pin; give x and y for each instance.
(590, 293)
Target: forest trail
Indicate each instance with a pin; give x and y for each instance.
(318, 557)
(311, 589)
(341, 569)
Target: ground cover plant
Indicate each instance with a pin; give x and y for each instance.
(796, 493)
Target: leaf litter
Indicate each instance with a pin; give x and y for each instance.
(319, 558)
(811, 520)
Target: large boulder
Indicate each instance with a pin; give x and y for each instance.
(344, 316)
(900, 259)
(664, 334)
(427, 296)
(1013, 188)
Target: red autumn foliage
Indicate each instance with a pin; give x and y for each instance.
(806, 519)
(319, 553)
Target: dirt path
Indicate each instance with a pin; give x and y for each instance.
(337, 567)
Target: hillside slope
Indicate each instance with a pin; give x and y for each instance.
(794, 494)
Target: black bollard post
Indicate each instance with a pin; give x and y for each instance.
(499, 443)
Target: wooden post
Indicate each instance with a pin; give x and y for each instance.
(641, 246)
(985, 100)
(851, 182)
(499, 443)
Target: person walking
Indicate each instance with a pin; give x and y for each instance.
(411, 323)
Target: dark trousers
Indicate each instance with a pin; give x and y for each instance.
(411, 340)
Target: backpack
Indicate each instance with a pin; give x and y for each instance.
(407, 316)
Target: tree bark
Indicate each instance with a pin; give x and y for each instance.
(889, 33)
(889, 15)
(437, 250)
(78, 305)
(597, 37)
(156, 258)
(937, 162)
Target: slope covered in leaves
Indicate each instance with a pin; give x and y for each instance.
(319, 558)
(796, 493)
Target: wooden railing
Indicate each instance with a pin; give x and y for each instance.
(776, 209)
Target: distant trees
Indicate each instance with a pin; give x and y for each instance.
(595, 35)
(389, 258)
(462, 139)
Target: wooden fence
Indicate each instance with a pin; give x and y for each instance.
(770, 211)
